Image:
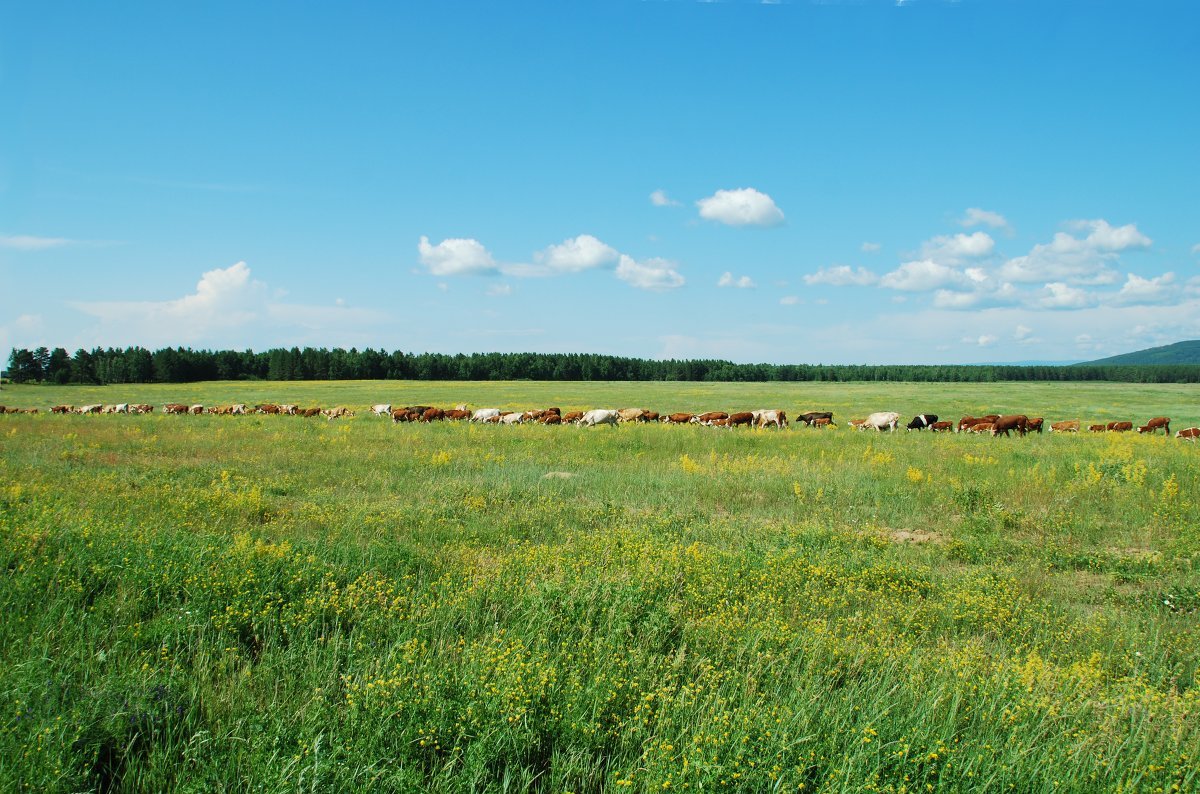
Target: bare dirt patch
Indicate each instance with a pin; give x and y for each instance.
(915, 536)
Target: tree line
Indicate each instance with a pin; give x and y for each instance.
(184, 365)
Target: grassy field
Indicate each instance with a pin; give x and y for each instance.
(269, 603)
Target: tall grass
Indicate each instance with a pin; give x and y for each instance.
(225, 603)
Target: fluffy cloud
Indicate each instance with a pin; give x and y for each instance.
(576, 255)
(1076, 260)
(653, 274)
(1146, 290)
(1022, 332)
(923, 275)
(740, 207)
(950, 250)
(659, 198)
(951, 299)
(870, 248)
(227, 306)
(727, 280)
(456, 257)
(980, 217)
(1057, 295)
(842, 276)
(25, 242)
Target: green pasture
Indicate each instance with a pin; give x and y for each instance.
(268, 603)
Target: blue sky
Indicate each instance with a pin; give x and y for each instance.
(809, 182)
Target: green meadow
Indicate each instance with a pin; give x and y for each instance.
(267, 603)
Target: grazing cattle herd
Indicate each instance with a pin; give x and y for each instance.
(880, 421)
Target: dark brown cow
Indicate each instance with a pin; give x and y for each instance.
(550, 419)
(267, 408)
(1003, 424)
(741, 418)
(1120, 427)
(454, 414)
(652, 416)
(942, 427)
(1156, 423)
(1034, 425)
(308, 413)
(809, 418)
(175, 408)
(821, 422)
(677, 419)
(433, 415)
(1189, 434)
(1097, 428)
(572, 416)
(420, 409)
(61, 409)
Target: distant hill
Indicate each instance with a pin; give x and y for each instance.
(1178, 353)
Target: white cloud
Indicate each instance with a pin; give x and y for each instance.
(659, 198)
(1146, 290)
(842, 276)
(1057, 295)
(727, 280)
(950, 299)
(25, 242)
(790, 300)
(499, 290)
(983, 340)
(456, 257)
(653, 274)
(573, 255)
(740, 207)
(870, 248)
(1076, 260)
(921, 276)
(980, 217)
(1022, 332)
(951, 250)
(1196, 248)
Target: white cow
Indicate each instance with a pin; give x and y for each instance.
(599, 416)
(382, 409)
(484, 414)
(91, 409)
(239, 409)
(883, 419)
(515, 418)
(290, 410)
(770, 417)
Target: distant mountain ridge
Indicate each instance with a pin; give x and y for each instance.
(1179, 353)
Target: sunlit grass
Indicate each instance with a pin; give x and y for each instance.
(215, 603)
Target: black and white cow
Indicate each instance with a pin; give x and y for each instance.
(922, 421)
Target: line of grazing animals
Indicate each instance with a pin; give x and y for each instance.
(990, 424)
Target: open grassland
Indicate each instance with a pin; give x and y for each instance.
(209, 603)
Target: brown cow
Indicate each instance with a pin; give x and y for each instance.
(457, 414)
(820, 422)
(1034, 425)
(550, 419)
(308, 413)
(1156, 423)
(809, 418)
(719, 422)
(967, 421)
(433, 415)
(1097, 428)
(61, 409)
(741, 418)
(942, 427)
(266, 408)
(1120, 427)
(1003, 424)
(677, 419)
(1189, 434)
(709, 417)
(1070, 426)
(175, 408)
(983, 427)
(571, 416)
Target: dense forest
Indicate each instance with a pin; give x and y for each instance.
(184, 365)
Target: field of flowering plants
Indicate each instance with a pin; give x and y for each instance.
(228, 603)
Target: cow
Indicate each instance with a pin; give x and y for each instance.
(402, 415)
(809, 418)
(709, 418)
(381, 409)
(433, 415)
(858, 424)
(1097, 428)
(632, 415)
(771, 417)
(983, 427)
(883, 419)
(942, 427)
(922, 421)
(550, 419)
(1156, 423)
(238, 409)
(1066, 426)
(196, 409)
(337, 413)
(719, 422)
(1188, 434)
(289, 410)
(1034, 425)
(652, 416)
(822, 422)
(572, 417)
(599, 416)
(266, 408)
(418, 408)
(308, 413)
(512, 418)
(741, 418)
(484, 414)
(175, 408)
(676, 419)
(1003, 424)
(61, 409)
(458, 414)
(967, 421)
(92, 409)
(1120, 427)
